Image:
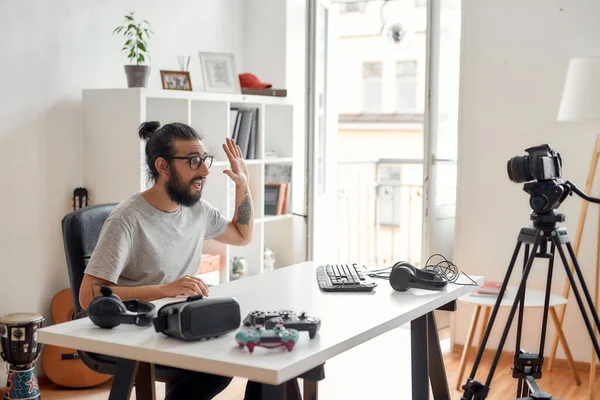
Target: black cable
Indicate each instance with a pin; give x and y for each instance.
(447, 270)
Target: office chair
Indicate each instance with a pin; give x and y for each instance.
(81, 230)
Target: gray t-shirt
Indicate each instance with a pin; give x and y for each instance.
(142, 245)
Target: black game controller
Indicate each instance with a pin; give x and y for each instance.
(288, 318)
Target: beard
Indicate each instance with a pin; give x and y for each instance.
(183, 193)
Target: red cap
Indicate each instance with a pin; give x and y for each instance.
(251, 81)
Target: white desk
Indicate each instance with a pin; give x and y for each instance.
(347, 320)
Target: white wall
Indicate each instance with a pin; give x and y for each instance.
(50, 51)
(514, 58)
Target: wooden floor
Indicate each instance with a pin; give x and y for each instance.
(359, 374)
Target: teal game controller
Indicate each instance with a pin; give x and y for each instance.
(270, 338)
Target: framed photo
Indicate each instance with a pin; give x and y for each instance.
(219, 73)
(176, 80)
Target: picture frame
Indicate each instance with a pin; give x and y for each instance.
(176, 80)
(219, 72)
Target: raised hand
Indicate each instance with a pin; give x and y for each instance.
(238, 172)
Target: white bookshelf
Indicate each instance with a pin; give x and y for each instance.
(114, 165)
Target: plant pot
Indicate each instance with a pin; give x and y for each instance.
(137, 75)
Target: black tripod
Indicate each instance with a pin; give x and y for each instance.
(527, 366)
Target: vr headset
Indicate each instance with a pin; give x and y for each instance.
(198, 318)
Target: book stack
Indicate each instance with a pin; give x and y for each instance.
(489, 288)
(243, 130)
(276, 198)
(277, 188)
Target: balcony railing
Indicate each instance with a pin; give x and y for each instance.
(379, 218)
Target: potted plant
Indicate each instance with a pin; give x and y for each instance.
(239, 266)
(136, 48)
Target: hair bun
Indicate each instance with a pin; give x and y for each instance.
(147, 129)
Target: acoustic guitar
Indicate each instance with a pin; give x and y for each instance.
(61, 364)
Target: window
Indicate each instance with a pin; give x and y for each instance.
(372, 88)
(406, 89)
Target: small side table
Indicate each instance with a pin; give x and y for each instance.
(533, 299)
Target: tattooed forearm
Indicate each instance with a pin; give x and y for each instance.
(244, 211)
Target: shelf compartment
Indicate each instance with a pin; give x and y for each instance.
(279, 130)
(278, 236)
(211, 120)
(252, 252)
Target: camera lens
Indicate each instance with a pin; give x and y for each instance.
(518, 170)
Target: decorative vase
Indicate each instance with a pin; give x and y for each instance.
(269, 260)
(239, 267)
(137, 75)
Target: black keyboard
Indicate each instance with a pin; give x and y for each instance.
(344, 278)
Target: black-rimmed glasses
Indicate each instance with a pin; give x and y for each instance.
(196, 161)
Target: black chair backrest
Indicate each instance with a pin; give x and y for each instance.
(81, 230)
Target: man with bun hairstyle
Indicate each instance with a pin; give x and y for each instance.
(150, 246)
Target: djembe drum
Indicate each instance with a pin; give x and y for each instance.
(20, 349)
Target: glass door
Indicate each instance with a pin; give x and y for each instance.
(442, 128)
(322, 138)
(382, 105)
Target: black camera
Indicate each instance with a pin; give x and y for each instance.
(542, 163)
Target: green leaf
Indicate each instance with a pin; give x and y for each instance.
(129, 17)
(141, 46)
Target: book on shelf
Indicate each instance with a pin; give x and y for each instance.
(243, 126)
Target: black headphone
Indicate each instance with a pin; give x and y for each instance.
(405, 276)
(108, 311)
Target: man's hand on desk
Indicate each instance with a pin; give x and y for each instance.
(186, 286)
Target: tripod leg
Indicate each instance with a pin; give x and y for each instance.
(521, 385)
(576, 292)
(547, 300)
(513, 309)
(495, 310)
(521, 306)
